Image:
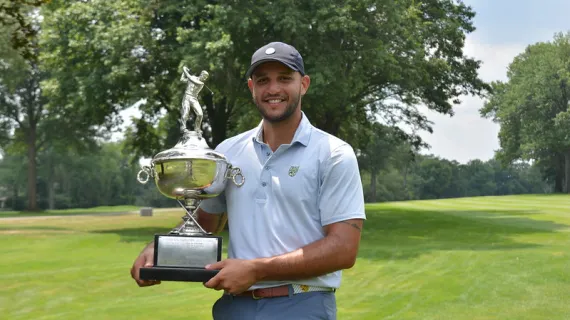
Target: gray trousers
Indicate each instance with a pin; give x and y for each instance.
(301, 306)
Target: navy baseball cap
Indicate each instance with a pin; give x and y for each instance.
(277, 51)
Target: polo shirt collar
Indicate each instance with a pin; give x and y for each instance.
(302, 134)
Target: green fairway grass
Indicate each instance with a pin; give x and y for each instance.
(470, 258)
(77, 211)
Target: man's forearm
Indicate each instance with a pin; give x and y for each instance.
(213, 223)
(318, 258)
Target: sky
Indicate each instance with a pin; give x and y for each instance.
(504, 28)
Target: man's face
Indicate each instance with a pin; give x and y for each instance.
(277, 90)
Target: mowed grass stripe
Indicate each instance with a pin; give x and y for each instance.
(509, 206)
(506, 208)
(551, 201)
(477, 209)
(539, 204)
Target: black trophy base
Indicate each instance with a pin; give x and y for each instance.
(177, 274)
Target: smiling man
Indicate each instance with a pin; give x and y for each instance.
(297, 220)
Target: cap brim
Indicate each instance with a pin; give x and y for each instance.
(255, 65)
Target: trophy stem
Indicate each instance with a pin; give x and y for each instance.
(190, 225)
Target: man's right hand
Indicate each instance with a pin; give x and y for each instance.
(145, 259)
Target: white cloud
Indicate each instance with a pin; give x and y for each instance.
(495, 58)
(466, 135)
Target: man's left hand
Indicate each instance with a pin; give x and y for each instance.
(235, 276)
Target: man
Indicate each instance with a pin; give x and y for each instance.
(190, 100)
(296, 222)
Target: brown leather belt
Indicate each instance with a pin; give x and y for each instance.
(280, 291)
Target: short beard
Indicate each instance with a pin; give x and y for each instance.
(291, 107)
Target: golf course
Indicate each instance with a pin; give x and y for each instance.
(467, 258)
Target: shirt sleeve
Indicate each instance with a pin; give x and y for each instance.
(341, 196)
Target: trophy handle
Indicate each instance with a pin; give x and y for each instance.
(144, 174)
(235, 174)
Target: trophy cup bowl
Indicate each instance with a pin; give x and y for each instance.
(189, 172)
(190, 169)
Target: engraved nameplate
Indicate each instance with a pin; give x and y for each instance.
(184, 251)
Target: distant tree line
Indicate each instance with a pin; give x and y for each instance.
(107, 176)
(431, 177)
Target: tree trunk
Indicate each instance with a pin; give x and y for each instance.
(32, 176)
(558, 186)
(15, 197)
(567, 172)
(373, 174)
(406, 180)
(218, 118)
(559, 174)
(51, 195)
(51, 185)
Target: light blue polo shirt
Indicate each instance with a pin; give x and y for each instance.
(288, 195)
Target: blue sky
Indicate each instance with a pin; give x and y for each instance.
(510, 21)
(504, 29)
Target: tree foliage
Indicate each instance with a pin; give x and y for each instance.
(27, 124)
(533, 108)
(15, 21)
(367, 59)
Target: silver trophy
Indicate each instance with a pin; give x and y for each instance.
(189, 172)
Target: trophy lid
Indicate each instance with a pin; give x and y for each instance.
(190, 146)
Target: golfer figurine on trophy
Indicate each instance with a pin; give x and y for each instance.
(190, 100)
(189, 172)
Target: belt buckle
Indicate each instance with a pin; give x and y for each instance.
(254, 296)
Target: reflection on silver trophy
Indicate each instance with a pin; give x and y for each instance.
(188, 172)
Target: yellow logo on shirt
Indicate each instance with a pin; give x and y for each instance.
(293, 171)
(304, 287)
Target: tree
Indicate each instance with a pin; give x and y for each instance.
(481, 178)
(432, 178)
(533, 108)
(21, 108)
(385, 145)
(105, 56)
(367, 59)
(27, 124)
(363, 56)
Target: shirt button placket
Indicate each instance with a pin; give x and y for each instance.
(265, 174)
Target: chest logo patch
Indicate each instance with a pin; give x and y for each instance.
(293, 171)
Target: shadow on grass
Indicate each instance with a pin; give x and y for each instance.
(39, 228)
(58, 214)
(404, 233)
(144, 234)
